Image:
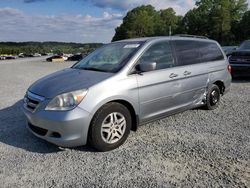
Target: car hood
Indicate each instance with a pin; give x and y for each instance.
(67, 80)
(240, 53)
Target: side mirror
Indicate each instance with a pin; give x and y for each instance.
(146, 66)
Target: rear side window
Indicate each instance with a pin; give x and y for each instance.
(192, 52)
(210, 51)
(187, 52)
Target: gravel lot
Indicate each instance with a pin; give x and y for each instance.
(195, 148)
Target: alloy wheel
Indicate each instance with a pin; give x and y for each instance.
(214, 97)
(113, 128)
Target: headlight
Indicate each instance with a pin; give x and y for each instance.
(66, 101)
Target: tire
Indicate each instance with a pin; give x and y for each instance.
(110, 127)
(213, 97)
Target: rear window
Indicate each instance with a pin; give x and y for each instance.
(192, 52)
(245, 45)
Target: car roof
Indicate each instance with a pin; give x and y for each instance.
(148, 39)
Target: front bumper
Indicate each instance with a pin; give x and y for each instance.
(63, 128)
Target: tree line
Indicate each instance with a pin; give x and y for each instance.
(227, 21)
(16, 48)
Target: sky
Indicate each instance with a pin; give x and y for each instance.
(81, 21)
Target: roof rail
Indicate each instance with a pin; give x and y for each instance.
(193, 36)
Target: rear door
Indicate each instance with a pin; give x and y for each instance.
(158, 88)
(192, 71)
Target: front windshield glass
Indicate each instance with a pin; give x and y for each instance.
(109, 58)
(245, 45)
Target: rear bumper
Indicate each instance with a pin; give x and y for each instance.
(66, 129)
(240, 70)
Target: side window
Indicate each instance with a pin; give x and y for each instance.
(187, 52)
(160, 53)
(210, 52)
(190, 52)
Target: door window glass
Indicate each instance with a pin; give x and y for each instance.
(187, 52)
(159, 53)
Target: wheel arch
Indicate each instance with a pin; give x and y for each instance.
(129, 105)
(221, 85)
(132, 113)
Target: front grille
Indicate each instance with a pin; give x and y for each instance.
(32, 101)
(239, 59)
(38, 130)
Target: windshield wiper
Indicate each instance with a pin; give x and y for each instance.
(92, 69)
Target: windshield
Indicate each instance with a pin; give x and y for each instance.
(245, 45)
(109, 58)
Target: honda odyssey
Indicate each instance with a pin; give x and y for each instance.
(124, 84)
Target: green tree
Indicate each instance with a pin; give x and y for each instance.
(194, 23)
(145, 21)
(243, 27)
(168, 22)
(214, 18)
(139, 22)
(220, 19)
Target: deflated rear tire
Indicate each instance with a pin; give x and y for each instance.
(213, 97)
(110, 127)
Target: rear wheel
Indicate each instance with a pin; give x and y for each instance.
(110, 127)
(213, 97)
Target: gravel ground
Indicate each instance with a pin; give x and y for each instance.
(196, 148)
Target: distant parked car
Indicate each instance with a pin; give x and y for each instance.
(22, 55)
(29, 55)
(77, 57)
(65, 58)
(2, 57)
(37, 55)
(55, 58)
(10, 57)
(240, 60)
(229, 49)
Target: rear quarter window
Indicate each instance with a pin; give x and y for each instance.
(210, 51)
(190, 52)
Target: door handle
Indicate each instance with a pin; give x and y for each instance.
(186, 73)
(173, 75)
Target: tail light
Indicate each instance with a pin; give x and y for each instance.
(229, 68)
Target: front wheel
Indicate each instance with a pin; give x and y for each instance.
(213, 97)
(110, 127)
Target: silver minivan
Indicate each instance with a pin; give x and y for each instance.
(123, 85)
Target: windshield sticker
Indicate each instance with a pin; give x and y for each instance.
(131, 46)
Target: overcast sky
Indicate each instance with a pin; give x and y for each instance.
(71, 20)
